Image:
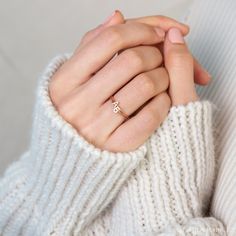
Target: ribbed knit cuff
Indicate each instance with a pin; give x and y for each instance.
(182, 151)
(69, 181)
(174, 184)
(199, 226)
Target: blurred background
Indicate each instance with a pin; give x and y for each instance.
(31, 33)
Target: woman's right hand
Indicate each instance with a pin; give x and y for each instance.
(82, 86)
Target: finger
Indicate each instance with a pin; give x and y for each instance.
(141, 89)
(163, 22)
(113, 76)
(136, 130)
(114, 38)
(179, 64)
(115, 18)
(133, 96)
(201, 76)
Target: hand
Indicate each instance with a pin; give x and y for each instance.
(201, 76)
(82, 86)
(181, 92)
(180, 66)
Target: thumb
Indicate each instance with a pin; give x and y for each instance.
(180, 66)
(115, 18)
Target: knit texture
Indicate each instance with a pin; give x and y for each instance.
(168, 194)
(63, 182)
(64, 185)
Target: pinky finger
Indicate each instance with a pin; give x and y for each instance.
(136, 130)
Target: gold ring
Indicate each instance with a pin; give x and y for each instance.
(116, 108)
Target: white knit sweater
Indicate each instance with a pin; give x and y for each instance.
(213, 41)
(63, 185)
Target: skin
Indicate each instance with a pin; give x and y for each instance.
(201, 76)
(154, 80)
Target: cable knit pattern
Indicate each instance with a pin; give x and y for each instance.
(64, 185)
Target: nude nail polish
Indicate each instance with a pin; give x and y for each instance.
(175, 36)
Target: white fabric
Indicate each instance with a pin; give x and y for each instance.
(63, 185)
(213, 41)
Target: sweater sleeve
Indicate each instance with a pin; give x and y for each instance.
(169, 193)
(62, 182)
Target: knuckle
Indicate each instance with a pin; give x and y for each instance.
(155, 56)
(113, 35)
(134, 57)
(163, 19)
(146, 85)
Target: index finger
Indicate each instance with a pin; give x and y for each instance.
(96, 53)
(163, 22)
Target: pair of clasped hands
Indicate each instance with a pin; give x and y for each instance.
(144, 63)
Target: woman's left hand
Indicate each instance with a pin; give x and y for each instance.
(183, 69)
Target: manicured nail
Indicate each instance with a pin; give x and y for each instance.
(160, 32)
(175, 36)
(109, 18)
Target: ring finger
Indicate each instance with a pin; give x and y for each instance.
(133, 96)
(121, 70)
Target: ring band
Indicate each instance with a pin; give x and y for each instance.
(116, 108)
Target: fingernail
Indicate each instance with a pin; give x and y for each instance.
(160, 32)
(109, 18)
(175, 36)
